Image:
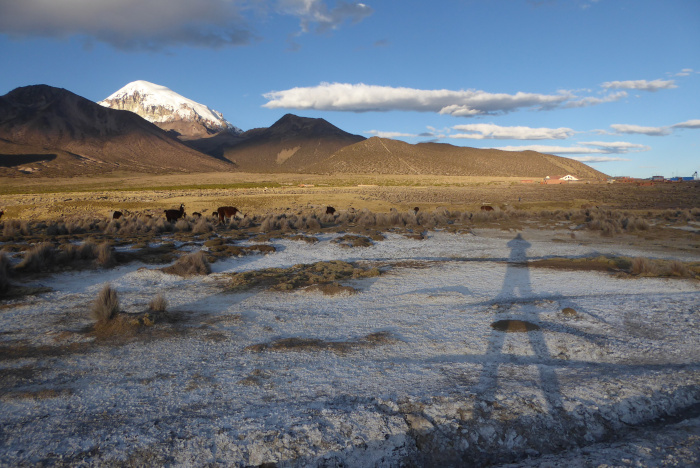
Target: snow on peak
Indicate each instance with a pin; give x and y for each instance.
(158, 104)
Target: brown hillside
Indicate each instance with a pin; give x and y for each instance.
(291, 144)
(87, 138)
(383, 156)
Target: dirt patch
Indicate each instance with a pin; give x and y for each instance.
(514, 326)
(331, 289)
(350, 240)
(300, 276)
(623, 266)
(313, 344)
(42, 394)
(600, 263)
(307, 239)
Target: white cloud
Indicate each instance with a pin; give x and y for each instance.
(591, 147)
(594, 101)
(637, 129)
(161, 24)
(381, 134)
(365, 98)
(685, 72)
(552, 149)
(616, 147)
(597, 159)
(643, 85)
(317, 13)
(496, 132)
(688, 124)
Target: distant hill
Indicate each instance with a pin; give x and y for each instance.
(383, 156)
(78, 136)
(292, 144)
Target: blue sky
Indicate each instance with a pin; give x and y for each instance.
(614, 83)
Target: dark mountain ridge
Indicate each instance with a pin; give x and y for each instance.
(90, 138)
(289, 145)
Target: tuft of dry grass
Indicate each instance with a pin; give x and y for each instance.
(202, 226)
(105, 254)
(643, 266)
(106, 306)
(38, 258)
(158, 304)
(677, 268)
(189, 265)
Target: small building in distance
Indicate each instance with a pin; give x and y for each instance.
(657, 178)
(568, 177)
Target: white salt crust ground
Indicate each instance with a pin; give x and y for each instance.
(616, 384)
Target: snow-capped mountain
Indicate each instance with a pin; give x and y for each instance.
(169, 110)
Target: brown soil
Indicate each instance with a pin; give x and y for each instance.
(300, 276)
(514, 326)
(313, 344)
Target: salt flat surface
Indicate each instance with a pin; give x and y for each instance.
(445, 389)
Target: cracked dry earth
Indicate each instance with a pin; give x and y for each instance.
(460, 352)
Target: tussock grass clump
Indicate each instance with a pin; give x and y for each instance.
(643, 266)
(189, 265)
(158, 304)
(202, 226)
(677, 268)
(106, 306)
(182, 225)
(38, 258)
(15, 228)
(104, 254)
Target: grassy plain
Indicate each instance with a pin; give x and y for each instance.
(52, 198)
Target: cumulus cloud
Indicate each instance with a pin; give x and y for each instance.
(643, 85)
(637, 129)
(161, 24)
(496, 132)
(365, 98)
(688, 124)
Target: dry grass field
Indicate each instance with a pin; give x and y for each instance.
(43, 198)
